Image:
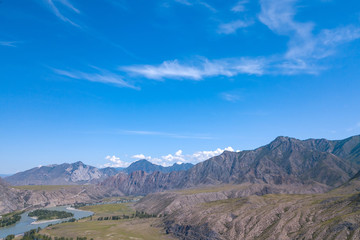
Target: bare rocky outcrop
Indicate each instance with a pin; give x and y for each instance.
(63, 174)
(168, 202)
(12, 199)
(229, 213)
(68, 195)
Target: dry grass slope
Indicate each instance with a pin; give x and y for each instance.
(130, 229)
(45, 187)
(333, 215)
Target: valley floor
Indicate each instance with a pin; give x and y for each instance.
(124, 229)
(118, 229)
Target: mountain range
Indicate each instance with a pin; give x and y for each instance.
(321, 163)
(79, 173)
(265, 193)
(247, 211)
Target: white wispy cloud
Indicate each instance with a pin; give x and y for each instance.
(55, 9)
(115, 162)
(199, 69)
(8, 43)
(208, 6)
(185, 2)
(140, 156)
(304, 47)
(240, 6)
(354, 128)
(179, 158)
(69, 5)
(102, 77)
(196, 2)
(232, 27)
(233, 96)
(168, 69)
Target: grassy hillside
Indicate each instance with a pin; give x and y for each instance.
(110, 209)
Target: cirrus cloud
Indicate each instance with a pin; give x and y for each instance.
(305, 48)
(232, 27)
(198, 69)
(101, 76)
(239, 6)
(8, 43)
(56, 10)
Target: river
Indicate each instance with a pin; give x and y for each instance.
(25, 225)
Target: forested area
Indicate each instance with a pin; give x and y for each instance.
(10, 219)
(43, 214)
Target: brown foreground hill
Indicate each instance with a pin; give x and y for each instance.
(229, 213)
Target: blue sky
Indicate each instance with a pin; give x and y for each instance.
(108, 82)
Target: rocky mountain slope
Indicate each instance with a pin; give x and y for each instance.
(64, 174)
(12, 199)
(78, 173)
(230, 212)
(284, 161)
(148, 167)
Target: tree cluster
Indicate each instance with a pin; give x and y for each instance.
(78, 205)
(10, 220)
(43, 214)
(34, 235)
(137, 214)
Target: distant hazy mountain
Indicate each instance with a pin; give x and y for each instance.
(148, 167)
(318, 162)
(79, 173)
(63, 174)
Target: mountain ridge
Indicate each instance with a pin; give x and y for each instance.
(149, 167)
(78, 173)
(60, 174)
(285, 160)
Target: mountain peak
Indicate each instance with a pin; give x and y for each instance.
(141, 162)
(78, 163)
(283, 161)
(282, 139)
(150, 167)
